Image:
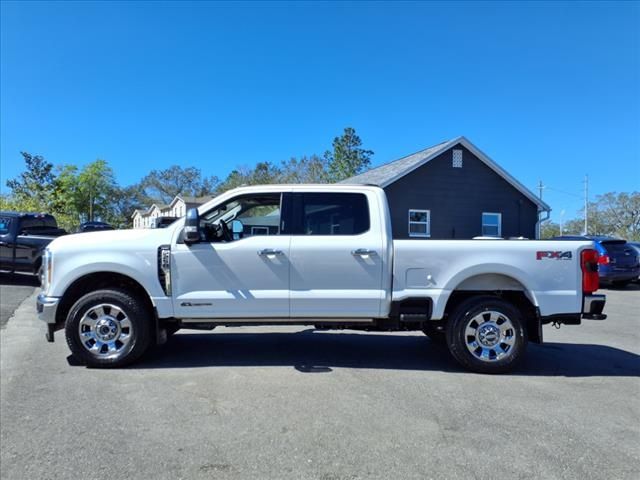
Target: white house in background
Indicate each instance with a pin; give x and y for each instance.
(155, 211)
(137, 218)
(177, 208)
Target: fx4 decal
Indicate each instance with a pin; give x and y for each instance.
(554, 255)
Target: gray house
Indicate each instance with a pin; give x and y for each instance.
(454, 190)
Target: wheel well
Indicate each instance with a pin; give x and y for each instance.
(515, 297)
(98, 281)
(37, 264)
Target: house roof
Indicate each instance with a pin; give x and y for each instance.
(141, 211)
(159, 206)
(390, 172)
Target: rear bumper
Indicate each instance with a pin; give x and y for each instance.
(592, 307)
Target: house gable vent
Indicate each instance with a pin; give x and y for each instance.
(457, 159)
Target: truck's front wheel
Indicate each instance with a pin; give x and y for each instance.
(487, 335)
(108, 328)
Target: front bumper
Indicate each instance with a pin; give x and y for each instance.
(47, 308)
(592, 307)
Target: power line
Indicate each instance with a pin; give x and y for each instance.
(562, 191)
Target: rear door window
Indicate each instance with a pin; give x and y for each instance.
(334, 214)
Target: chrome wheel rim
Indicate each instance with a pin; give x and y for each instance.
(106, 331)
(490, 336)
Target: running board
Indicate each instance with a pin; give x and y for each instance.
(414, 317)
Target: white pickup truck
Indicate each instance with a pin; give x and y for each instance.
(320, 255)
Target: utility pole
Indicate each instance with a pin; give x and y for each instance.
(586, 204)
(540, 187)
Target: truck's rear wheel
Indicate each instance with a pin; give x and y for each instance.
(108, 328)
(487, 335)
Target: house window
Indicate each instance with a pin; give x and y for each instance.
(491, 224)
(419, 223)
(457, 159)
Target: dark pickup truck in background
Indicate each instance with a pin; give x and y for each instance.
(23, 238)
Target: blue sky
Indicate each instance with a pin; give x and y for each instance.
(550, 91)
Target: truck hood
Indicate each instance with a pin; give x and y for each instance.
(138, 239)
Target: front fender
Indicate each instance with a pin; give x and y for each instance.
(139, 267)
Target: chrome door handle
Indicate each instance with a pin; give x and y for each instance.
(363, 252)
(269, 251)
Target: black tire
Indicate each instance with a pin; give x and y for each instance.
(439, 337)
(138, 333)
(468, 350)
(621, 283)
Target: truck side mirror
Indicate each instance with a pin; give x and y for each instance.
(237, 228)
(192, 226)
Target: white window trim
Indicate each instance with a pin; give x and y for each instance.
(499, 222)
(428, 223)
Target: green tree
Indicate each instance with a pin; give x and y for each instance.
(33, 188)
(347, 157)
(64, 204)
(238, 177)
(123, 202)
(163, 185)
(85, 194)
(311, 169)
(549, 229)
(616, 214)
(265, 173)
(95, 188)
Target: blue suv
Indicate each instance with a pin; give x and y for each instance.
(618, 262)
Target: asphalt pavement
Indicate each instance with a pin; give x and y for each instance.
(293, 403)
(14, 288)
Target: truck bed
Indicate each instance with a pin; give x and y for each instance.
(548, 272)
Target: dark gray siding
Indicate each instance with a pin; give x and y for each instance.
(457, 197)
